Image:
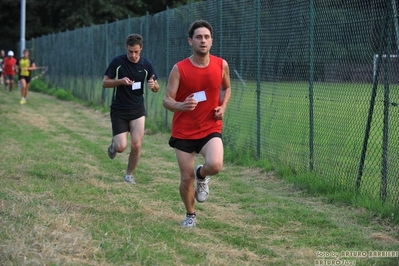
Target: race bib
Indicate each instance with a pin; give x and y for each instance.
(136, 85)
(200, 96)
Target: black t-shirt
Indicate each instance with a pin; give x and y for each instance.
(129, 97)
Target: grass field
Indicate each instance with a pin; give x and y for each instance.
(63, 202)
(276, 128)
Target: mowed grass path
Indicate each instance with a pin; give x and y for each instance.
(64, 202)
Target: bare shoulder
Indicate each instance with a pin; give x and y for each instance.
(225, 64)
(175, 73)
(174, 79)
(226, 68)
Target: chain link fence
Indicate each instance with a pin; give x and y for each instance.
(315, 83)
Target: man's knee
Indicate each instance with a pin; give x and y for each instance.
(214, 167)
(135, 146)
(119, 147)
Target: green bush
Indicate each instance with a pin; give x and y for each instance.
(38, 85)
(64, 95)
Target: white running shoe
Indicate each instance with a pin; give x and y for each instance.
(201, 189)
(189, 222)
(130, 180)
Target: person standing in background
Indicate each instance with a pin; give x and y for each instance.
(9, 70)
(25, 65)
(2, 55)
(127, 74)
(198, 92)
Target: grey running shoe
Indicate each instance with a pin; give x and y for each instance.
(111, 151)
(130, 180)
(201, 189)
(189, 222)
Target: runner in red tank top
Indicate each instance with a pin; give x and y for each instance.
(9, 69)
(193, 94)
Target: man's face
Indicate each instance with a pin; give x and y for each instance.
(201, 41)
(26, 54)
(133, 52)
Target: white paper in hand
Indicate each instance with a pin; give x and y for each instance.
(136, 85)
(200, 96)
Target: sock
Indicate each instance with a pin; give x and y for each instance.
(191, 215)
(128, 176)
(198, 173)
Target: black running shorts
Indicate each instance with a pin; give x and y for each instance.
(120, 119)
(26, 78)
(192, 145)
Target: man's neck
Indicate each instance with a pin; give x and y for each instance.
(200, 61)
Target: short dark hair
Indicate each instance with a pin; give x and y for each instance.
(134, 39)
(199, 24)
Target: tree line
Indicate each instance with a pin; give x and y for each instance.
(43, 17)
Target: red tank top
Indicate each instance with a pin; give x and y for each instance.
(200, 122)
(9, 64)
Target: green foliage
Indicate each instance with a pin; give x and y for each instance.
(64, 95)
(38, 85)
(51, 91)
(93, 105)
(245, 157)
(153, 127)
(44, 17)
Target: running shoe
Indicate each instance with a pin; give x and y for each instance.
(130, 180)
(201, 189)
(190, 221)
(111, 150)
